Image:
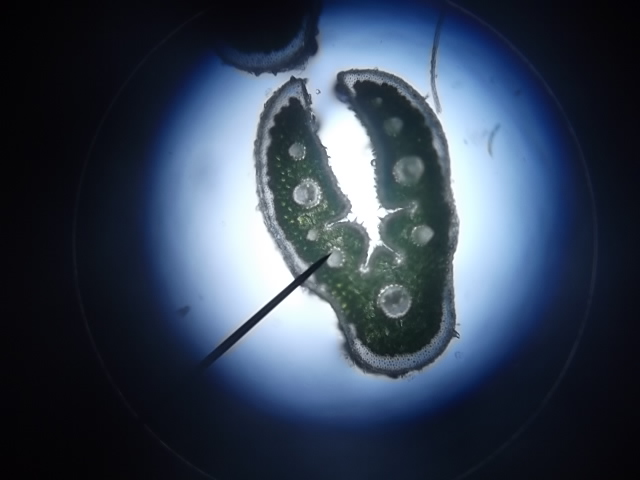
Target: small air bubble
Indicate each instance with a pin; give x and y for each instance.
(421, 235)
(318, 91)
(393, 126)
(336, 259)
(312, 234)
(307, 193)
(297, 151)
(408, 170)
(394, 300)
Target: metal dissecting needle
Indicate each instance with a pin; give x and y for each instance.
(264, 311)
(173, 391)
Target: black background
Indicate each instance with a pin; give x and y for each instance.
(62, 415)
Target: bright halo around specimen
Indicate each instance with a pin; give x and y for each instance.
(395, 303)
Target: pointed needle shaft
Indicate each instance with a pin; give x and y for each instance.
(264, 311)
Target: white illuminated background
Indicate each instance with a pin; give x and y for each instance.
(214, 253)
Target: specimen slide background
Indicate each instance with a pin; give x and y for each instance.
(72, 61)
